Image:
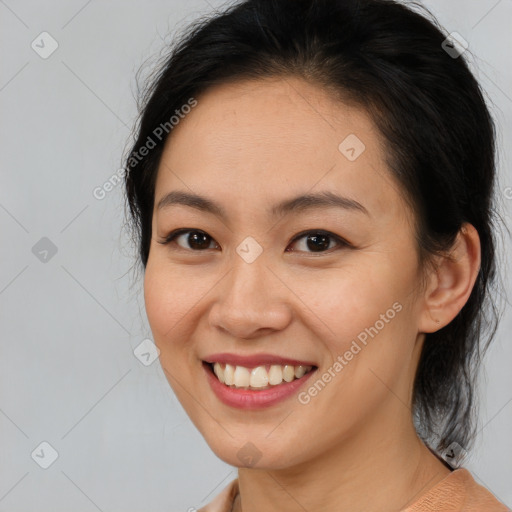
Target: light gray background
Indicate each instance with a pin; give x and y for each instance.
(68, 375)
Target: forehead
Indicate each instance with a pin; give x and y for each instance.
(256, 142)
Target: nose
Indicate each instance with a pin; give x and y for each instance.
(251, 301)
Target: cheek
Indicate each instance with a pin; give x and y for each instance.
(172, 293)
(170, 297)
(363, 317)
(367, 315)
(344, 303)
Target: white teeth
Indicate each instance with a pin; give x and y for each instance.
(241, 377)
(275, 375)
(218, 370)
(259, 377)
(288, 373)
(300, 371)
(229, 375)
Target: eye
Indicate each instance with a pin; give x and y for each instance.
(319, 241)
(197, 239)
(316, 241)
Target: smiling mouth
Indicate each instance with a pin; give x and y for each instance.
(258, 378)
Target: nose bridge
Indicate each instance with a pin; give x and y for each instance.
(247, 278)
(248, 274)
(250, 298)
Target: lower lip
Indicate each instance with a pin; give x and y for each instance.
(251, 399)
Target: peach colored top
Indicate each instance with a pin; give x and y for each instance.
(457, 492)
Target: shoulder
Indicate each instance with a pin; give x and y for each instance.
(223, 502)
(457, 492)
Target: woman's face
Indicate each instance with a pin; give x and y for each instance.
(327, 282)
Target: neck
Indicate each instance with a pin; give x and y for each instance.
(383, 464)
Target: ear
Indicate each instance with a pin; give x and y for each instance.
(451, 283)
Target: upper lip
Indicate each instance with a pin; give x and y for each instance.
(252, 361)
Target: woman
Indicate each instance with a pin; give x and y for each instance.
(311, 191)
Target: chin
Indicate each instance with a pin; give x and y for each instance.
(258, 453)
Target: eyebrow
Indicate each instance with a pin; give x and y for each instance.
(326, 199)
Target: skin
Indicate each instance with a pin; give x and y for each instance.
(249, 145)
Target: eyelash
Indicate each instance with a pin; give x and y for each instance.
(340, 241)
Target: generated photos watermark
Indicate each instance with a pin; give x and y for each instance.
(342, 360)
(159, 133)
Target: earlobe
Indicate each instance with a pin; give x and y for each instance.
(452, 281)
